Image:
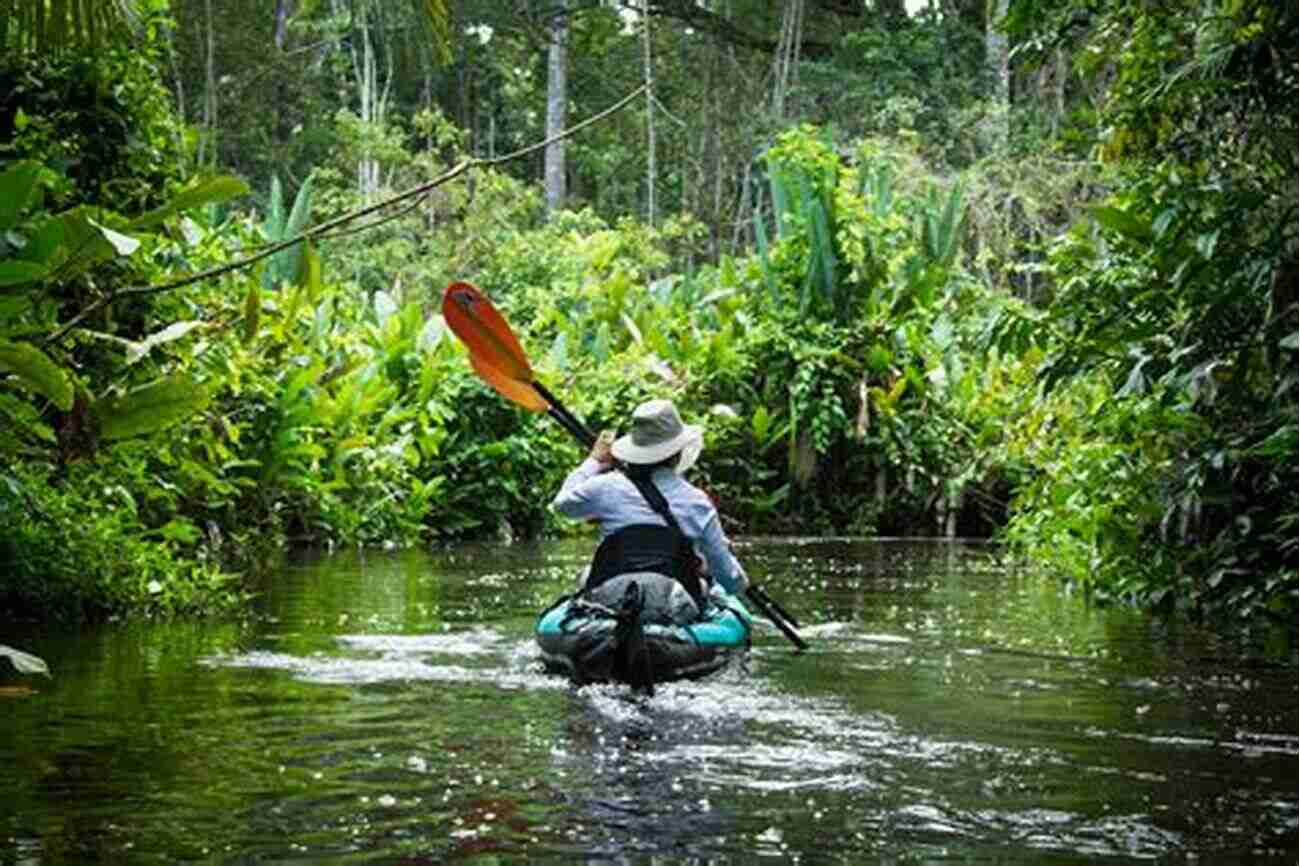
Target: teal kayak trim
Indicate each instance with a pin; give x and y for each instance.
(576, 638)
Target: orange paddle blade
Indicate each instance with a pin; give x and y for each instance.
(512, 389)
(471, 316)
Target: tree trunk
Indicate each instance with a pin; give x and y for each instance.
(207, 143)
(649, 113)
(557, 99)
(371, 102)
(173, 57)
(785, 72)
(284, 12)
(998, 59)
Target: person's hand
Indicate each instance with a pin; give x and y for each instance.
(600, 452)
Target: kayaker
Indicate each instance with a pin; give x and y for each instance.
(635, 536)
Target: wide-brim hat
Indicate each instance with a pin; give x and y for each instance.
(657, 434)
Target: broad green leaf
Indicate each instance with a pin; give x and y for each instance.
(288, 265)
(123, 244)
(174, 331)
(1122, 222)
(85, 242)
(43, 243)
(199, 192)
(13, 306)
(25, 663)
(301, 211)
(18, 189)
(14, 272)
(148, 409)
(275, 211)
(36, 372)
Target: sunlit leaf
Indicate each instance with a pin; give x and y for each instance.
(24, 663)
(199, 192)
(123, 244)
(174, 331)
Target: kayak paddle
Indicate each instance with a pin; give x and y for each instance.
(499, 360)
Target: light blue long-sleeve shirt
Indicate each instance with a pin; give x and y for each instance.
(612, 500)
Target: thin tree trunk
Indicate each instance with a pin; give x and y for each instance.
(1062, 73)
(370, 102)
(998, 59)
(557, 103)
(786, 64)
(284, 12)
(715, 103)
(172, 54)
(649, 113)
(207, 143)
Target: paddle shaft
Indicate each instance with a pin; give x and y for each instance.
(564, 417)
(753, 592)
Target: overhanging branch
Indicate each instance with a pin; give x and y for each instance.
(416, 192)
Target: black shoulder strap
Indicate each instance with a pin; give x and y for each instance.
(691, 578)
(655, 498)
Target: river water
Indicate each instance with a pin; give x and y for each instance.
(389, 709)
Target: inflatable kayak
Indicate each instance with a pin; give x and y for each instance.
(632, 633)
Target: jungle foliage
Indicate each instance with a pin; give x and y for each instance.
(903, 303)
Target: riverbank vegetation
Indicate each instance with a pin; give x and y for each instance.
(1029, 274)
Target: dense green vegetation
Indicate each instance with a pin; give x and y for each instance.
(1032, 275)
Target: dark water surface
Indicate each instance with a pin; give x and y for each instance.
(387, 709)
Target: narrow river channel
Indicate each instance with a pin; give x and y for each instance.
(389, 709)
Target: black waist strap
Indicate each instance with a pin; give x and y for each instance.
(647, 547)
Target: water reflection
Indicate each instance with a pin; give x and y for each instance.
(391, 709)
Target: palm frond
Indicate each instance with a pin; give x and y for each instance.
(53, 26)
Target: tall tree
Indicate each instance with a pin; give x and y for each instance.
(557, 104)
(649, 77)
